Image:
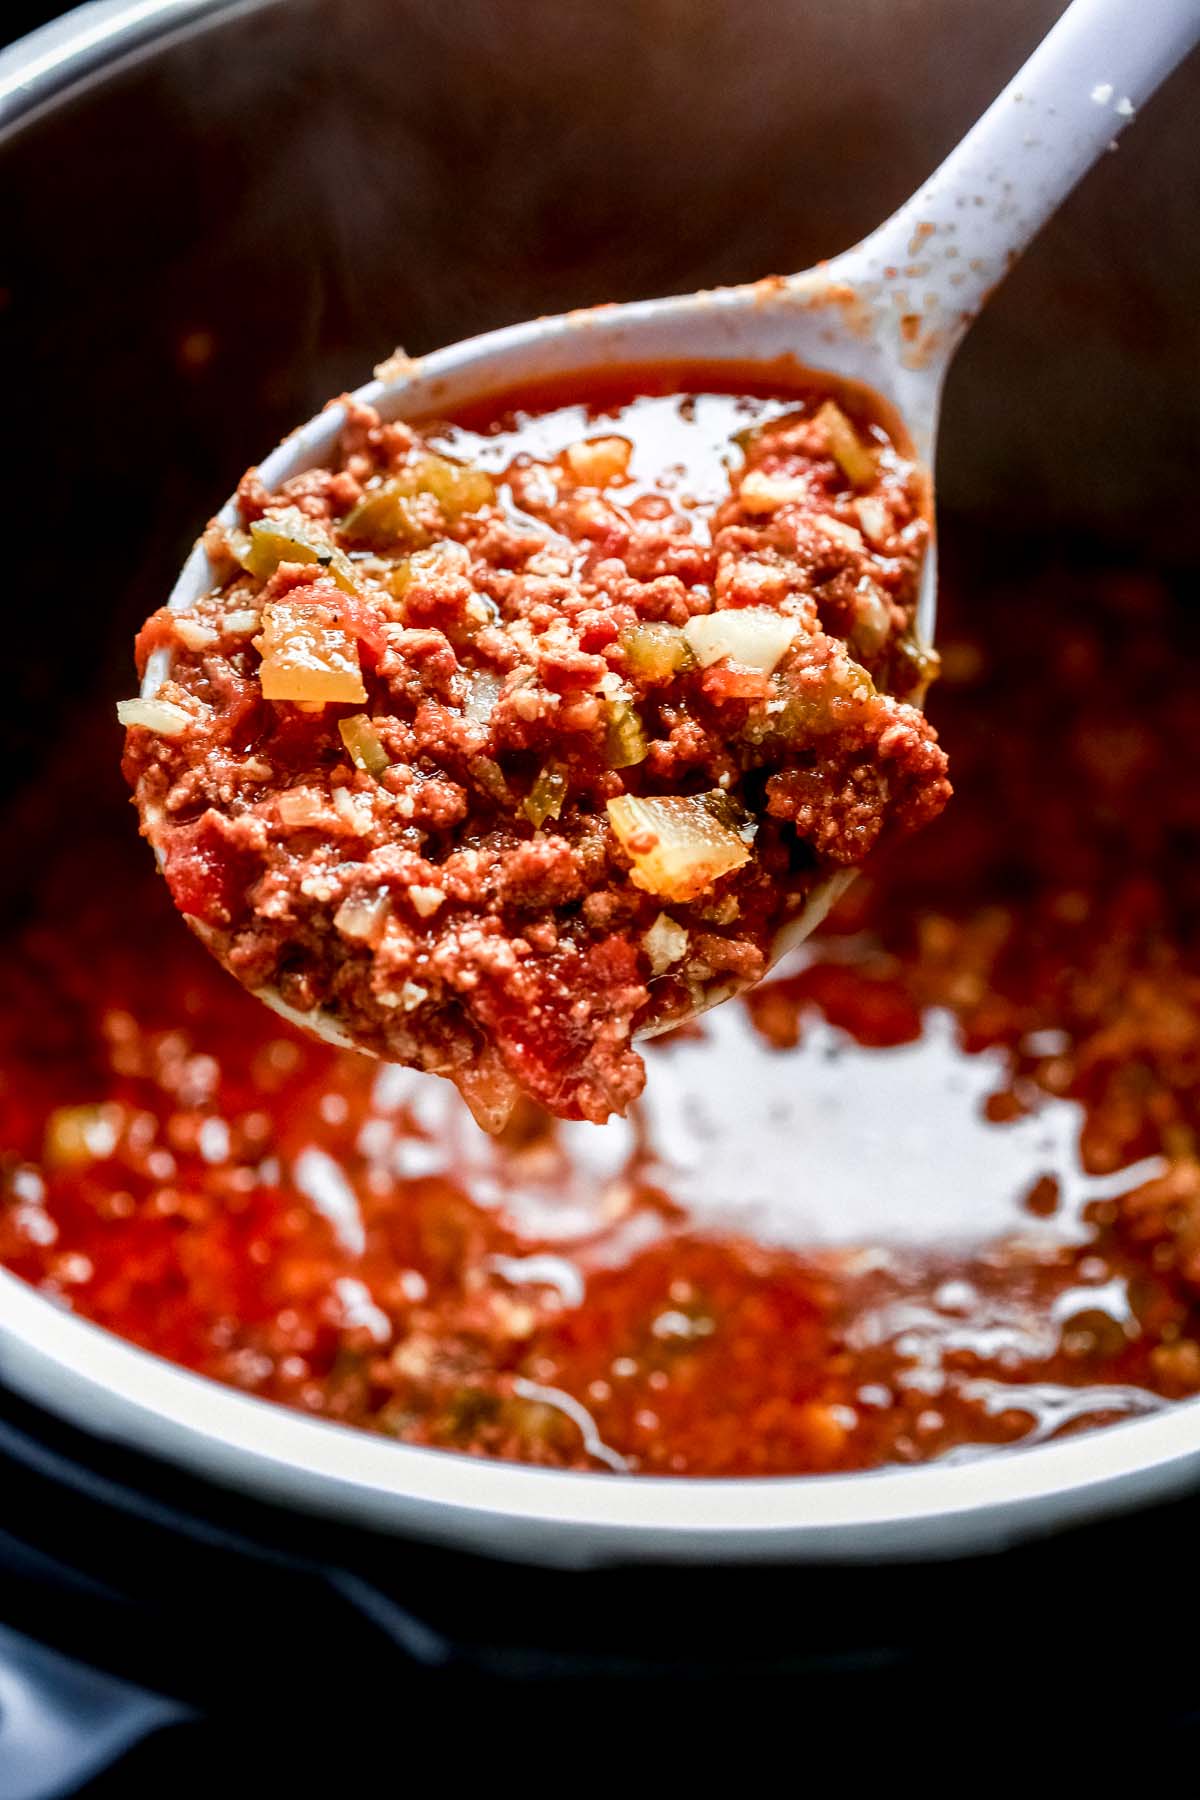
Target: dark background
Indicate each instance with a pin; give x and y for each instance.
(20, 16)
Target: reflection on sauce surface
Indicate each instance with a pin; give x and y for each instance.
(932, 1189)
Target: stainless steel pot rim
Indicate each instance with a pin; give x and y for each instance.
(89, 38)
(116, 1390)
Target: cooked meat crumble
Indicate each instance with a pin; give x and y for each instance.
(499, 742)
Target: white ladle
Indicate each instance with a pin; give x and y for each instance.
(890, 313)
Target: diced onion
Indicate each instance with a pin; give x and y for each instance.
(838, 530)
(873, 618)
(483, 691)
(665, 943)
(304, 658)
(161, 716)
(194, 635)
(489, 1091)
(241, 622)
(300, 807)
(763, 493)
(874, 518)
(426, 900)
(363, 744)
(845, 446)
(595, 462)
(353, 810)
(754, 636)
(363, 916)
(678, 845)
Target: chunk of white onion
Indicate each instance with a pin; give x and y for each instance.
(306, 658)
(363, 916)
(664, 943)
(426, 900)
(678, 846)
(301, 809)
(161, 716)
(483, 691)
(754, 636)
(194, 635)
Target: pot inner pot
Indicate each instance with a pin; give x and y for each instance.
(928, 1191)
(932, 1191)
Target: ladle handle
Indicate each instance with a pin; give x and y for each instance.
(946, 249)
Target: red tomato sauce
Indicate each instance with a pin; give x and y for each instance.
(933, 1189)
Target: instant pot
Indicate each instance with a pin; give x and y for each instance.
(214, 215)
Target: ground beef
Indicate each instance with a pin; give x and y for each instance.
(501, 741)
